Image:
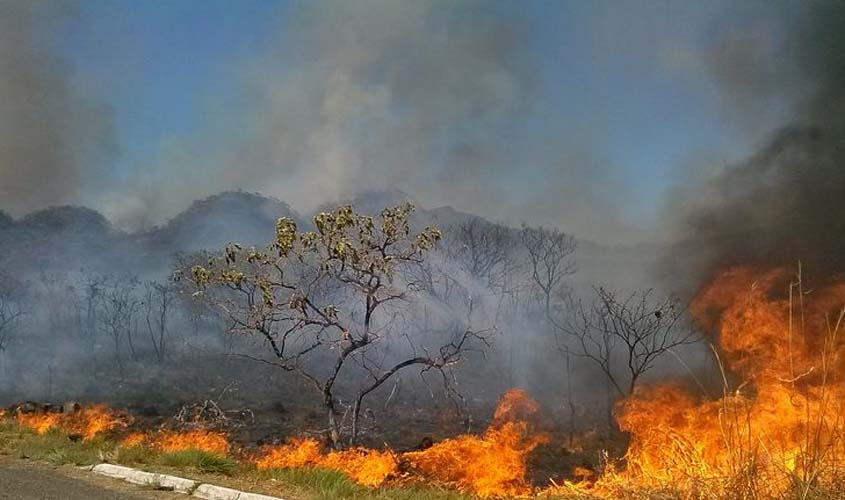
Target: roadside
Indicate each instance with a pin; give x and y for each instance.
(28, 480)
(57, 453)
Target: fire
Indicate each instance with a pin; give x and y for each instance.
(364, 466)
(296, 453)
(493, 464)
(40, 423)
(490, 465)
(88, 421)
(202, 440)
(779, 424)
(133, 439)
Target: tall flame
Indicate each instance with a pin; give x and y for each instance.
(781, 423)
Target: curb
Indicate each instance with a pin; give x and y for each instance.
(211, 492)
(174, 483)
(134, 476)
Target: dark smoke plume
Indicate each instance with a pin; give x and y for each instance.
(54, 143)
(786, 202)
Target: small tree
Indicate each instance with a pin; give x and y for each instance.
(550, 259)
(92, 288)
(322, 299)
(630, 330)
(482, 249)
(12, 296)
(157, 304)
(118, 305)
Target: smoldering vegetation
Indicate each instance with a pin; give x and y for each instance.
(96, 314)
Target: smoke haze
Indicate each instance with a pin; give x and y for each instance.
(784, 203)
(55, 142)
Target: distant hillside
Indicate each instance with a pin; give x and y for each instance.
(67, 239)
(213, 222)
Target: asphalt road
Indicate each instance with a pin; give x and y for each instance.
(22, 480)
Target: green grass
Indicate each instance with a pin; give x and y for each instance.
(327, 485)
(199, 461)
(58, 448)
(54, 447)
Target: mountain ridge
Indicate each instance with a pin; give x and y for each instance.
(71, 238)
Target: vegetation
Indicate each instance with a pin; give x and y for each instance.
(328, 298)
(353, 302)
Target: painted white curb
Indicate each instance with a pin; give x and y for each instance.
(178, 484)
(151, 479)
(211, 492)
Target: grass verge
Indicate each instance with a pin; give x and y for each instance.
(58, 448)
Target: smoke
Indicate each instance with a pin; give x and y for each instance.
(439, 100)
(784, 202)
(54, 142)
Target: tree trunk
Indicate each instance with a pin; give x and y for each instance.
(356, 412)
(334, 429)
(570, 399)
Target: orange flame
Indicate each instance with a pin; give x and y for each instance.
(88, 422)
(782, 424)
(202, 440)
(490, 465)
(133, 439)
(40, 423)
(367, 467)
(493, 464)
(296, 453)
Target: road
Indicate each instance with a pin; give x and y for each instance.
(22, 480)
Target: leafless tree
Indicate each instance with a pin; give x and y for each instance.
(326, 298)
(92, 289)
(12, 296)
(482, 249)
(632, 330)
(118, 306)
(551, 260)
(157, 304)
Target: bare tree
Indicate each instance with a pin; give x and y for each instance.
(482, 249)
(157, 303)
(631, 330)
(12, 296)
(551, 260)
(92, 289)
(322, 299)
(118, 306)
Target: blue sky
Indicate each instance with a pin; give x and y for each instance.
(619, 92)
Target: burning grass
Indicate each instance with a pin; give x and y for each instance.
(493, 464)
(211, 442)
(777, 431)
(87, 422)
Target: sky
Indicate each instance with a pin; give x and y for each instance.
(575, 114)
